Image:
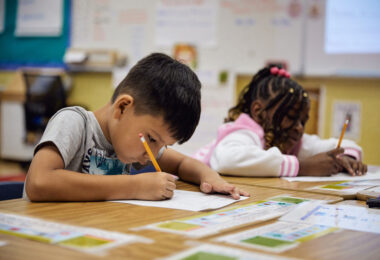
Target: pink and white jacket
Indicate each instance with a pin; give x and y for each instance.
(239, 150)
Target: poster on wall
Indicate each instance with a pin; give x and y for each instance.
(342, 111)
(185, 21)
(39, 18)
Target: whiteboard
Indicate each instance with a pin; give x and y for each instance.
(340, 60)
(247, 34)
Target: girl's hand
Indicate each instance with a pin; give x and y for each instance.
(322, 164)
(352, 166)
(221, 186)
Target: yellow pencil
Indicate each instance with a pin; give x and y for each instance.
(155, 164)
(342, 134)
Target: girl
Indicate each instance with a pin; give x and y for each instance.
(264, 135)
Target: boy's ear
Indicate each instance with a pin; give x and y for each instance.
(122, 104)
(257, 111)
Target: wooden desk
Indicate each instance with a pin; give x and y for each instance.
(359, 203)
(280, 183)
(121, 217)
(343, 244)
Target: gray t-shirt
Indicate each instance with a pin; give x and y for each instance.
(78, 137)
(81, 142)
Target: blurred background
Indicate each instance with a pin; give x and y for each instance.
(57, 53)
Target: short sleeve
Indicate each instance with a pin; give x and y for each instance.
(66, 130)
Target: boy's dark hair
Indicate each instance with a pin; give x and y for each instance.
(278, 90)
(163, 86)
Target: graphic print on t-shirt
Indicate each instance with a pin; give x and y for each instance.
(96, 161)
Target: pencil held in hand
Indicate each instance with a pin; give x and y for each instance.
(342, 134)
(155, 164)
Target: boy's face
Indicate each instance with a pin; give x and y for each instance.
(124, 135)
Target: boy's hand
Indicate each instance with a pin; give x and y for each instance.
(221, 186)
(322, 164)
(352, 166)
(155, 186)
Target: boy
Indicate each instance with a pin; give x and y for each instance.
(159, 98)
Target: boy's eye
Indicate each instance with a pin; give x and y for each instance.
(151, 139)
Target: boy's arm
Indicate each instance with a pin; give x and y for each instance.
(48, 181)
(192, 170)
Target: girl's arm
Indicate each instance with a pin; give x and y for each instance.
(313, 144)
(321, 157)
(241, 154)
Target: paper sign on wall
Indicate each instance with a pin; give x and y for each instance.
(346, 110)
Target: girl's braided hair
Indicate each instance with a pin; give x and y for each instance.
(276, 90)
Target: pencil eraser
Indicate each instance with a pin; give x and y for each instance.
(141, 135)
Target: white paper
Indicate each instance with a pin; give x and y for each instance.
(216, 221)
(336, 177)
(374, 189)
(341, 216)
(63, 235)
(39, 18)
(277, 237)
(214, 251)
(74, 56)
(188, 200)
(181, 21)
(2, 15)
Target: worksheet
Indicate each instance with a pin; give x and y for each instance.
(209, 251)
(213, 222)
(347, 187)
(375, 175)
(89, 240)
(373, 192)
(277, 237)
(188, 200)
(341, 216)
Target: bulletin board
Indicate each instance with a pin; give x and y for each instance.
(247, 34)
(32, 51)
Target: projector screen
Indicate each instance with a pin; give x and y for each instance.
(342, 38)
(352, 26)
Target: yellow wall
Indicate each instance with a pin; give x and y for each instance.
(364, 90)
(6, 77)
(90, 90)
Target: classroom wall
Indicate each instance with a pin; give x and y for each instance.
(364, 90)
(91, 90)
